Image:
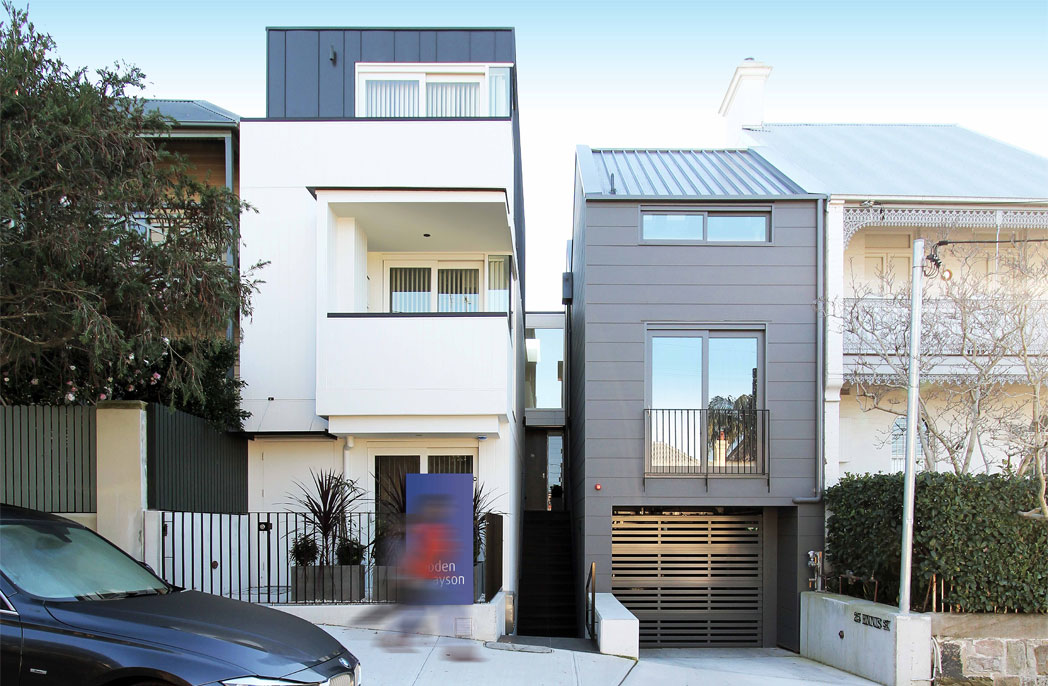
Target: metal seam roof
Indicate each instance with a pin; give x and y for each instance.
(682, 173)
(193, 112)
(920, 160)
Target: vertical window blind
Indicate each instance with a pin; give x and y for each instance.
(498, 283)
(452, 99)
(498, 92)
(409, 289)
(391, 98)
(458, 290)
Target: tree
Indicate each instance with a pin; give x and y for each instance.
(984, 373)
(115, 278)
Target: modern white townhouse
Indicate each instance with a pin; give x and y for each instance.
(388, 336)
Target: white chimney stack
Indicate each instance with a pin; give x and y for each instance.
(743, 103)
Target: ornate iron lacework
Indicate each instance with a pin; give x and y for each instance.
(856, 218)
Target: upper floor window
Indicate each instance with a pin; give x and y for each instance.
(706, 226)
(419, 286)
(433, 90)
(698, 369)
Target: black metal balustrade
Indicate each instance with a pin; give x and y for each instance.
(708, 442)
(253, 557)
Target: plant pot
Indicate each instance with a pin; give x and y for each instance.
(335, 583)
(384, 584)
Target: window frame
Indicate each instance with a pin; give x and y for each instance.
(424, 73)
(480, 264)
(706, 332)
(704, 211)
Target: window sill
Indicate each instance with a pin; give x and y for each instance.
(417, 315)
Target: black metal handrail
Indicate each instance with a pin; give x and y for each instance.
(706, 442)
(591, 604)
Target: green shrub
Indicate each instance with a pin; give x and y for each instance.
(967, 532)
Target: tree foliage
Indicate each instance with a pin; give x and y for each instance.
(966, 533)
(984, 355)
(116, 277)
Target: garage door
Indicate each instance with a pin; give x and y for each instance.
(691, 578)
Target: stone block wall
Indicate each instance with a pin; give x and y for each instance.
(992, 650)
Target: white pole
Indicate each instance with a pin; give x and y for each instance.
(912, 398)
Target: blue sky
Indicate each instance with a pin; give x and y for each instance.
(642, 73)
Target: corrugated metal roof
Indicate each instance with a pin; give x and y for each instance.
(683, 174)
(930, 160)
(194, 113)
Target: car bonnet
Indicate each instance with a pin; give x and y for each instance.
(258, 639)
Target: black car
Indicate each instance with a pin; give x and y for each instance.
(75, 609)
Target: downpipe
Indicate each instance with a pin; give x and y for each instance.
(820, 356)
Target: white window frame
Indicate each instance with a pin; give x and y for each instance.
(427, 73)
(433, 264)
(423, 452)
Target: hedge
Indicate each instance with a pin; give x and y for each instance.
(967, 532)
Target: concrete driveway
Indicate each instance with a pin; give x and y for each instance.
(391, 659)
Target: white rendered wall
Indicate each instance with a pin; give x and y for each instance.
(279, 163)
(275, 465)
(865, 442)
(414, 366)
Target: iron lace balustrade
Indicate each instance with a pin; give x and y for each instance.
(709, 442)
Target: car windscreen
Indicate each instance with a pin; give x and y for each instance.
(57, 562)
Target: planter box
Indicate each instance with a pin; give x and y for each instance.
(337, 583)
(384, 584)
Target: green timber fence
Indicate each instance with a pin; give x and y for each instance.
(48, 457)
(193, 467)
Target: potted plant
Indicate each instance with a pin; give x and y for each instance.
(390, 529)
(327, 569)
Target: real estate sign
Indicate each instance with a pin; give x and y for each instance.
(438, 557)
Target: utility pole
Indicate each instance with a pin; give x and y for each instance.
(912, 413)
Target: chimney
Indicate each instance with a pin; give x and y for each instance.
(743, 103)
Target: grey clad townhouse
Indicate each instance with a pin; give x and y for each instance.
(694, 358)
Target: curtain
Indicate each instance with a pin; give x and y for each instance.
(409, 289)
(452, 99)
(458, 290)
(390, 98)
(498, 283)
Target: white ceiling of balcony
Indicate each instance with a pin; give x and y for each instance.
(455, 221)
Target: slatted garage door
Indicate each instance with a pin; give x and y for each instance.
(692, 579)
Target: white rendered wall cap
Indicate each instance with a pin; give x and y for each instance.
(749, 69)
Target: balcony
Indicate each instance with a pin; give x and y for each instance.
(382, 365)
(704, 443)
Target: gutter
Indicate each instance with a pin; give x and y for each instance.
(820, 356)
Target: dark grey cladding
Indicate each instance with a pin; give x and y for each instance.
(304, 82)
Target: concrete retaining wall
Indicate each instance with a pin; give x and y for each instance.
(992, 649)
(869, 639)
(480, 621)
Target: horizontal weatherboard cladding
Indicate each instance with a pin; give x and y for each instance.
(303, 82)
(675, 174)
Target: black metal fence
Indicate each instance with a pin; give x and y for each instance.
(48, 459)
(706, 442)
(192, 466)
(258, 557)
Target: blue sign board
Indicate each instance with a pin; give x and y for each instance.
(438, 555)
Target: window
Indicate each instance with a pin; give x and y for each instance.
(433, 90)
(898, 438)
(706, 226)
(704, 393)
(448, 286)
(543, 368)
(700, 369)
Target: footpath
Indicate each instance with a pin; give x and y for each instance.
(392, 659)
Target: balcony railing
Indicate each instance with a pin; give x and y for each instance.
(708, 442)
